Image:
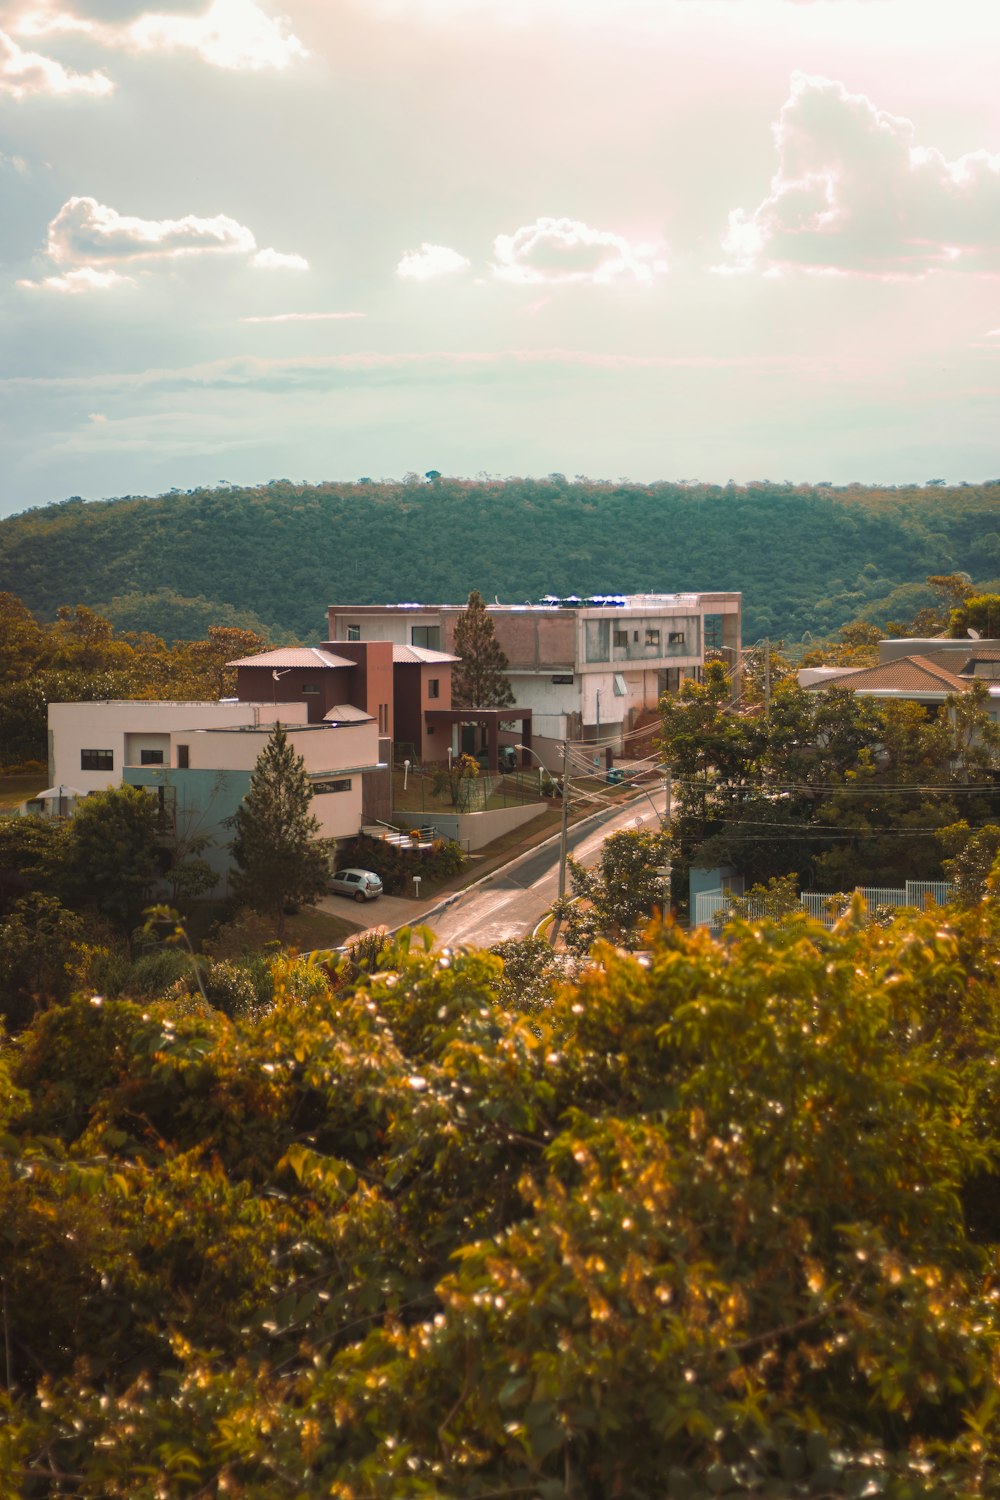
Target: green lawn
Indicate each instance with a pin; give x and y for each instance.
(17, 786)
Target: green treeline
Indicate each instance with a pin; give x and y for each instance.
(271, 558)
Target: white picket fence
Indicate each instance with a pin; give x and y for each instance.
(712, 908)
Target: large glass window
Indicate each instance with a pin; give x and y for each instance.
(151, 757)
(713, 632)
(428, 636)
(97, 760)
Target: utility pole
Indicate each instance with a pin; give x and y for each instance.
(665, 871)
(563, 839)
(564, 826)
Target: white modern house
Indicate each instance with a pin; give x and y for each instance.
(197, 760)
(587, 669)
(90, 744)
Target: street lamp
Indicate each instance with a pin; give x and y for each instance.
(564, 825)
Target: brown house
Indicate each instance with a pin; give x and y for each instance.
(394, 684)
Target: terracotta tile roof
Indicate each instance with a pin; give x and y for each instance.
(292, 657)
(914, 674)
(961, 662)
(421, 654)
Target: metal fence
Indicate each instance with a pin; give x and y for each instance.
(714, 908)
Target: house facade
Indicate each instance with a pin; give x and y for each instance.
(91, 744)
(398, 685)
(929, 676)
(201, 797)
(197, 759)
(586, 669)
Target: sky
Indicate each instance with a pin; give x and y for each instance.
(653, 239)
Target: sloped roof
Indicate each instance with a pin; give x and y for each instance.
(422, 654)
(346, 713)
(963, 663)
(907, 674)
(293, 657)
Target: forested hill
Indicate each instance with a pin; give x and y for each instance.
(806, 559)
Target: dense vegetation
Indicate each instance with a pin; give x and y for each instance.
(720, 1221)
(836, 788)
(806, 558)
(79, 657)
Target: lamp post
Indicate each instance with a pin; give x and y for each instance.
(564, 823)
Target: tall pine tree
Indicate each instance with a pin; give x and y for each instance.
(479, 680)
(280, 859)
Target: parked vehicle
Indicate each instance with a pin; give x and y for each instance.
(363, 885)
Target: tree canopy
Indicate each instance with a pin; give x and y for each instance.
(479, 678)
(839, 788)
(272, 556)
(712, 1221)
(280, 858)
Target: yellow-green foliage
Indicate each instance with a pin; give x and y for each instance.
(697, 1227)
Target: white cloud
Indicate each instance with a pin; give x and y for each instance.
(854, 193)
(25, 73)
(85, 230)
(90, 238)
(303, 317)
(567, 252)
(232, 34)
(276, 260)
(431, 261)
(83, 279)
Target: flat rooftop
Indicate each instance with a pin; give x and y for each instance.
(556, 602)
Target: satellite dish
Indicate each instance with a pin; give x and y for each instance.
(974, 634)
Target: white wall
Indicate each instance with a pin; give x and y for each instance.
(74, 727)
(330, 751)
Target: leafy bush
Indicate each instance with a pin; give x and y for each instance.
(695, 1228)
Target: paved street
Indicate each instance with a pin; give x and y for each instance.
(507, 904)
(510, 903)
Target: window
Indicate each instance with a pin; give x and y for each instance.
(621, 638)
(676, 638)
(97, 760)
(151, 757)
(183, 757)
(563, 679)
(354, 632)
(339, 784)
(652, 637)
(621, 686)
(433, 687)
(310, 687)
(428, 636)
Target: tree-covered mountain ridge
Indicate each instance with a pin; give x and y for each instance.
(807, 558)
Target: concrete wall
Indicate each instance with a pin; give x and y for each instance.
(370, 684)
(377, 623)
(107, 725)
(473, 830)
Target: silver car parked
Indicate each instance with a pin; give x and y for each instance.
(363, 885)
